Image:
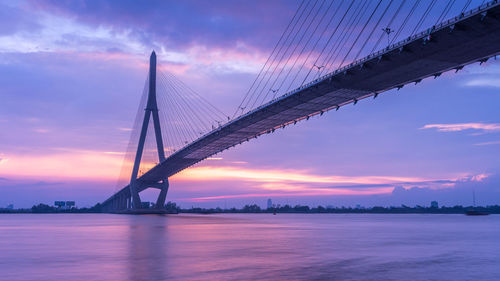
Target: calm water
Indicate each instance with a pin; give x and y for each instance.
(248, 246)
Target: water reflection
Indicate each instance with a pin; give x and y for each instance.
(147, 247)
(247, 246)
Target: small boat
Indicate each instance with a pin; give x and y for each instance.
(473, 211)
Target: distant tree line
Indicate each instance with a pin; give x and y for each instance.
(173, 208)
(495, 209)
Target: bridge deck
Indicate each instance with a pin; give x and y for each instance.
(469, 38)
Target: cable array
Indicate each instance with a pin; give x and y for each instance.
(184, 116)
(135, 130)
(324, 35)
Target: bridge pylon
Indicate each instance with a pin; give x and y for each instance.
(151, 110)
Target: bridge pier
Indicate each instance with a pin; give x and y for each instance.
(160, 202)
(136, 200)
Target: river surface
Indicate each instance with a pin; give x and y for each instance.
(249, 247)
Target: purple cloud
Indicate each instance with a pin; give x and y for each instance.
(13, 20)
(177, 25)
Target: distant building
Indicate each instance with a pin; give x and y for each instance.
(64, 205)
(269, 203)
(10, 206)
(434, 204)
(60, 204)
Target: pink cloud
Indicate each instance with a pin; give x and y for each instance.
(324, 192)
(488, 127)
(211, 173)
(78, 164)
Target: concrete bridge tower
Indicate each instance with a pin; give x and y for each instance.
(150, 110)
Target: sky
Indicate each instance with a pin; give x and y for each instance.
(72, 74)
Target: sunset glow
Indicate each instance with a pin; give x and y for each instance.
(72, 76)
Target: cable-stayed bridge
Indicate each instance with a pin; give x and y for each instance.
(339, 42)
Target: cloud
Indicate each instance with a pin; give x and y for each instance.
(210, 173)
(391, 193)
(310, 192)
(483, 82)
(14, 20)
(41, 131)
(179, 26)
(488, 143)
(225, 37)
(485, 127)
(90, 165)
(280, 182)
(486, 187)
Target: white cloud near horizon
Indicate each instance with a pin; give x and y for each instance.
(488, 143)
(457, 127)
(483, 82)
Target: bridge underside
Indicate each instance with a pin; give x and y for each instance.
(451, 45)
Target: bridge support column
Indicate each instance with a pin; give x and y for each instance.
(151, 110)
(140, 182)
(160, 202)
(136, 200)
(123, 202)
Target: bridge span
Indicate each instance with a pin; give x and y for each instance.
(468, 38)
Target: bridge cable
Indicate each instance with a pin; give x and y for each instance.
(180, 113)
(352, 22)
(388, 26)
(347, 30)
(269, 58)
(212, 112)
(217, 114)
(184, 117)
(188, 116)
(326, 44)
(167, 137)
(293, 51)
(126, 168)
(347, 35)
(373, 30)
(359, 35)
(403, 25)
(314, 48)
(424, 16)
(173, 109)
(284, 53)
(447, 8)
(194, 112)
(303, 49)
(466, 6)
(169, 114)
(176, 107)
